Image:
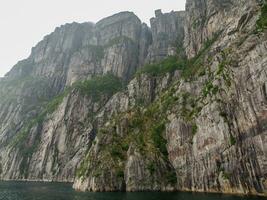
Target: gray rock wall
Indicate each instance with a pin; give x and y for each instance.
(163, 132)
(55, 144)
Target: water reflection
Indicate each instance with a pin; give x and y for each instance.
(59, 191)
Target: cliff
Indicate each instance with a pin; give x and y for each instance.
(119, 106)
(39, 141)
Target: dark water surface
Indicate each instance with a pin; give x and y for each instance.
(59, 191)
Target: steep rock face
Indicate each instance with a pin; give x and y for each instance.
(113, 47)
(192, 125)
(40, 141)
(53, 147)
(167, 33)
(216, 123)
(206, 18)
(224, 151)
(73, 52)
(122, 156)
(67, 55)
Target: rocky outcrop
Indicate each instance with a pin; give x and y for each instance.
(207, 18)
(215, 127)
(167, 33)
(227, 151)
(53, 147)
(190, 124)
(123, 157)
(73, 52)
(42, 136)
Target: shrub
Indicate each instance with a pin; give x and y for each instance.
(232, 140)
(102, 85)
(190, 68)
(168, 65)
(171, 177)
(157, 138)
(55, 102)
(261, 23)
(210, 89)
(125, 146)
(151, 168)
(195, 66)
(226, 175)
(120, 174)
(136, 122)
(116, 152)
(194, 129)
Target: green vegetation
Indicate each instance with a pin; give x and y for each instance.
(111, 157)
(83, 169)
(117, 151)
(190, 69)
(195, 66)
(169, 64)
(157, 136)
(224, 115)
(171, 177)
(146, 128)
(120, 173)
(232, 140)
(194, 129)
(188, 105)
(48, 109)
(226, 176)
(95, 87)
(210, 89)
(151, 168)
(101, 85)
(19, 140)
(261, 23)
(198, 22)
(55, 102)
(144, 133)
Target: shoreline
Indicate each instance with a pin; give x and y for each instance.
(145, 191)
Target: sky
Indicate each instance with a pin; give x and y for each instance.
(23, 23)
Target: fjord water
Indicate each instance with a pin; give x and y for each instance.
(60, 191)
